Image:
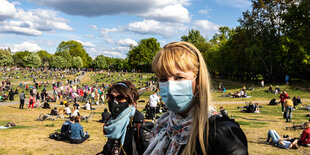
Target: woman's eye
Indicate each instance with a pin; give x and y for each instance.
(163, 79)
(180, 78)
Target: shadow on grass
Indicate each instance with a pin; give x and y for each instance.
(21, 127)
(253, 119)
(14, 107)
(259, 141)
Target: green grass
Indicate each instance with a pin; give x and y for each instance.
(259, 94)
(31, 135)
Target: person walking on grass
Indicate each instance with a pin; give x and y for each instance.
(282, 97)
(154, 99)
(288, 103)
(22, 100)
(32, 101)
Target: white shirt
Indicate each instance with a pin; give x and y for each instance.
(154, 99)
(75, 113)
(87, 106)
(67, 110)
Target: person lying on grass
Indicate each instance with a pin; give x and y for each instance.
(10, 124)
(285, 143)
(250, 108)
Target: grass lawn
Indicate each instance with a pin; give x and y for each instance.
(31, 136)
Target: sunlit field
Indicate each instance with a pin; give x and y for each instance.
(32, 137)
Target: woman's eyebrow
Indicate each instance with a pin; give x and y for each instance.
(180, 74)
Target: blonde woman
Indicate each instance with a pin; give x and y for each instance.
(191, 125)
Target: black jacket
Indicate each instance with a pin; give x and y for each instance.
(225, 138)
(131, 133)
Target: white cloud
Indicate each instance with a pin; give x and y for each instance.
(166, 10)
(94, 27)
(204, 12)
(127, 42)
(7, 10)
(236, 3)
(113, 54)
(18, 27)
(86, 44)
(89, 36)
(162, 43)
(108, 40)
(153, 27)
(33, 22)
(106, 31)
(175, 12)
(29, 46)
(205, 25)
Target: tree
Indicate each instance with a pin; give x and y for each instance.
(295, 47)
(77, 62)
(193, 37)
(58, 62)
(263, 23)
(18, 58)
(75, 49)
(67, 56)
(100, 62)
(6, 60)
(140, 56)
(5, 51)
(44, 56)
(32, 60)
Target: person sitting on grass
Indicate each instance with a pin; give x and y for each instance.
(296, 101)
(67, 110)
(77, 135)
(284, 143)
(76, 104)
(76, 112)
(304, 139)
(54, 112)
(277, 90)
(223, 112)
(250, 108)
(105, 116)
(256, 108)
(66, 128)
(269, 89)
(46, 105)
(273, 102)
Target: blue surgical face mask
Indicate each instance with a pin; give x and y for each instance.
(177, 95)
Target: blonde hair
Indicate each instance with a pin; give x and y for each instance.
(186, 57)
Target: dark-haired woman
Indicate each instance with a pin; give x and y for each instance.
(122, 128)
(77, 135)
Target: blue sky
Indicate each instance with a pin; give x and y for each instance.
(109, 27)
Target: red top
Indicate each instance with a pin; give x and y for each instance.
(305, 137)
(283, 97)
(33, 99)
